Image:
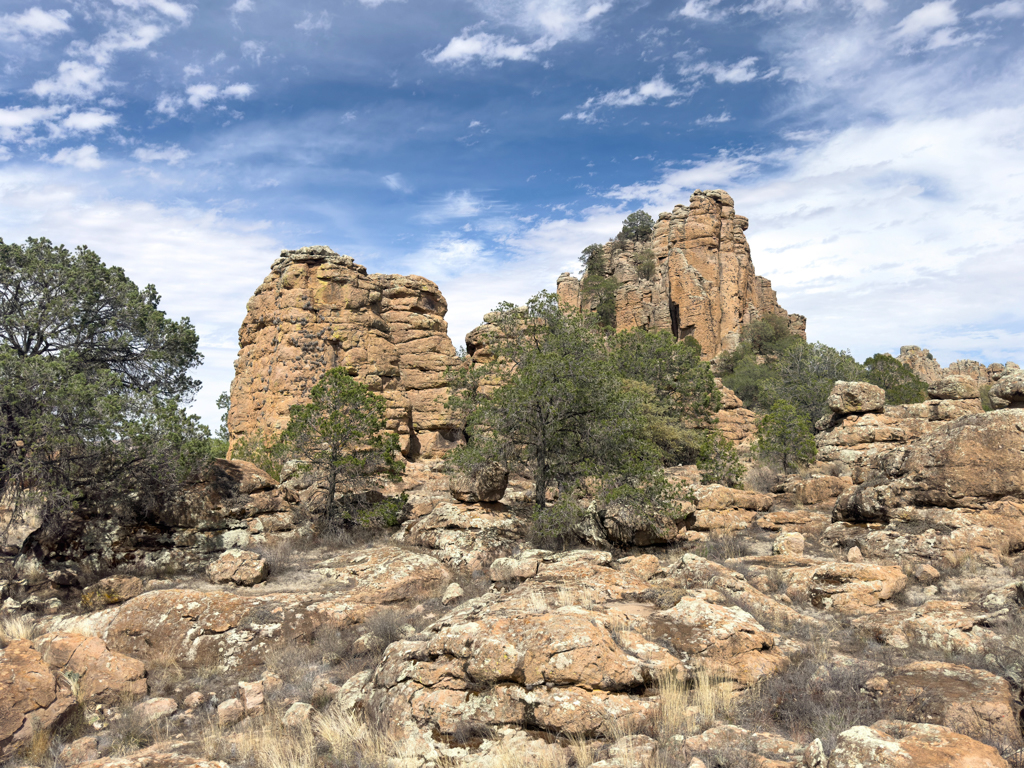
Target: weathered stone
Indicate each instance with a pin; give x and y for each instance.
(819, 489)
(37, 680)
(172, 754)
(953, 388)
(788, 544)
(252, 696)
(856, 397)
(946, 625)
(965, 463)
(703, 284)
(970, 701)
(487, 484)
(466, 536)
(238, 566)
(1010, 389)
(80, 750)
(111, 591)
(453, 593)
(899, 744)
(853, 588)
(195, 699)
(542, 656)
(318, 310)
(629, 527)
(156, 709)
(298, 714)
(230, 712)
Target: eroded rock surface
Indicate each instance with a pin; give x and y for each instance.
(318, 310)
(703, 283)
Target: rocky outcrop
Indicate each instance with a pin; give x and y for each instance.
(858, 434)
(901, 744)
(318, 310)
(574, 650)
(703, 282)
(927, 368)
(737, 423)
(966, 463)
(42, 680)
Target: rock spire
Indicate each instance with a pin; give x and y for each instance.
(702, 283)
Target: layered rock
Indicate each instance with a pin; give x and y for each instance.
(703, 284)
(318, 310)
(927, 368)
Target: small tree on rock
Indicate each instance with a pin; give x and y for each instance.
(340, 434)
(784, 437)
(899, 381)
(638, 227)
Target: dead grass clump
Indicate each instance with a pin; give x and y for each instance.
(130, 731)
(761, 479)
(13, 628)
(723, 545)
(811, 698)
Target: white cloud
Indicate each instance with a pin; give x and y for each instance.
(375, 3)
(253, 50)
(475, 124)
(237, 91)
(741, 72)
(169, 104)
(34, 23)
(454, 205)
(201, 94)
(1009, 9)
(725, 117)
(555, 21)
(170, 9)
(654, 89)
(451, 252)
(926, 20)
(90, 121)
(74, 79)
(5, 154)
(17, 123)
(310, 23)
(193, 70)
(242, 6)
(396, 183)
(490, 49)
(702, 10)
(85, 158)
(172, 154)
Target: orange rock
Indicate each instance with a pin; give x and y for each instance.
(318, 310)
(899, 744)
(703, 285)
(854, 588)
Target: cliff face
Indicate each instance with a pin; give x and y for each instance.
(703, 283)
(318, 310)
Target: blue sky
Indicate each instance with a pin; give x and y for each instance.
(877, 147)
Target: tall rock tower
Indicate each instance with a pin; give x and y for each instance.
(703, 282)
(318, 310)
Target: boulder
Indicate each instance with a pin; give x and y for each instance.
(854, 588)
(856, 397)
(900, 744)
(954, 388)
(947, 625)
(970, 701)
(487, 484)
(166, 754)
(1010, 389)
(155, 709)
(202, 629)
(629, 527)
(238, 566)
(38, 680)
(111, 591)
(968, 463)
(788, 544)
(819, 489)
(466, 536)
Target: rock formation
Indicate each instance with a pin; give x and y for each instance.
(703, 283)
(927, 368)
(318, 310)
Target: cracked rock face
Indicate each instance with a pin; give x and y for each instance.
(318, 310)
(703, 284)
(571, 650)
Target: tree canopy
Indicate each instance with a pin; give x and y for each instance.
(553, 402)
(92, 374)
(638, 227)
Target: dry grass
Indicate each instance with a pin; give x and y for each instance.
(17, 628)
